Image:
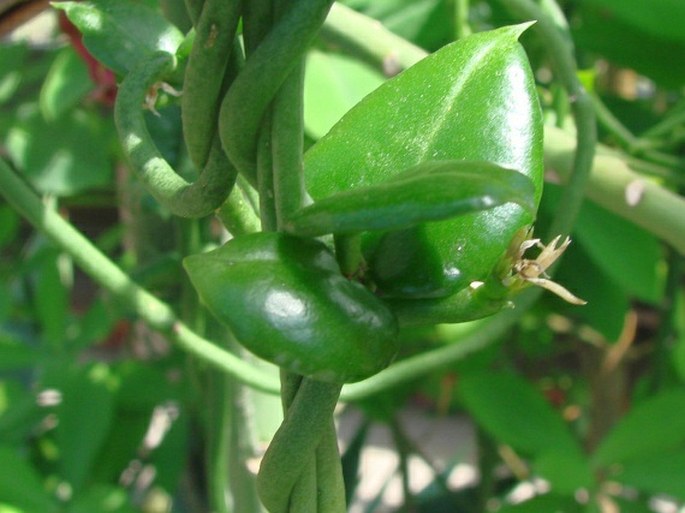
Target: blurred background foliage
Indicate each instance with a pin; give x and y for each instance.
(575, 409)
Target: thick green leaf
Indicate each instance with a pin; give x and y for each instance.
(20, 483)
(66, 84)
(85, 418)
(333, 84)
(472, 100)
(654, 425)
(659, 473)
(430, 191)
(119, 33)
(63, 157)
(515, 413)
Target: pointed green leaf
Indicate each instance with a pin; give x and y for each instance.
(430, 191)
(119, 33)
(653, 425)
(472, 100)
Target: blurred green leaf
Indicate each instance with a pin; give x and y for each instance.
(679, 342)
(51, 295)
(21, 485)
(14, 354)
(333, 85)
(630, 46)
(9, 224)
(119, 33)
(171, 456)
(652, 426)
(662, 18)
(19, 412)
(515, 413)
(427, 23)
(625, 252)
(12, 58)
(607, 304)
(85, 417)
(101, 499)
(94, 326)
(63, 157)
(566, 471)
(660, 473)
(548, 503)
(65, 86)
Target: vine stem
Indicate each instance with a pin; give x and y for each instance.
(157, 314)
(294, 445)
(560, 50)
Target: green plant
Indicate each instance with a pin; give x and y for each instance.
(414, 210)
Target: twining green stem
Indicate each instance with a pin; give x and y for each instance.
(204, 80)
(219, 399)
(433, 361)
(154, 312)
(461, 18)
(194, 8)
(636, 146)
(287, 139)
(295, 443)
(237, 215)
(369, 40)
(617, 188)
(674, 119)
(265, 175)
(558, 46)
(330, 489)
(265, 70)
(180, 197)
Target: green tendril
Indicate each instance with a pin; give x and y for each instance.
(266, 69)
(205, 75)
(184, 199)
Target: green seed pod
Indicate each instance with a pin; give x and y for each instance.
(285, 300)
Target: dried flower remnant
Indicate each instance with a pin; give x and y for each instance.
(534, 270)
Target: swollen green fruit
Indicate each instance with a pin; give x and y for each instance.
(285, 300)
